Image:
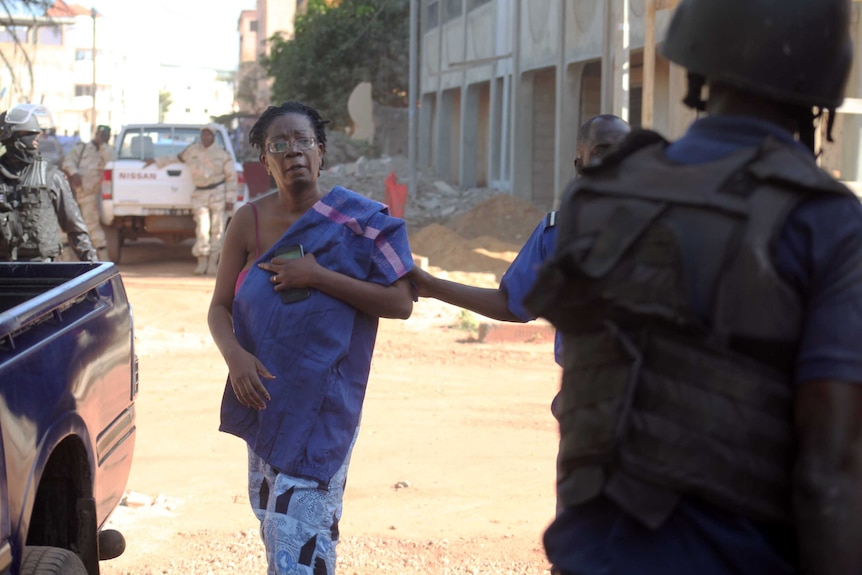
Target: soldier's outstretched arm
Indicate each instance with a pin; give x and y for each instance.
(71, 220)
(493, 303)
(828, 477)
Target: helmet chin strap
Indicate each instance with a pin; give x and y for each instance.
(694, 98)
(22, 152)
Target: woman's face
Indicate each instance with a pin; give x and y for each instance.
(292, 155)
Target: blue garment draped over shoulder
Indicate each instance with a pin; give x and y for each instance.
(319, 348)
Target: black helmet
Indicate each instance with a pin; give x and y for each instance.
(797, 52)
(19, 128)
(21, 118)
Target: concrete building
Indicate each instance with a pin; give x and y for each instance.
(256, 28)
(505, 84)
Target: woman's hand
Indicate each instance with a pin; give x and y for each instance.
(289, 273)
(245, 373)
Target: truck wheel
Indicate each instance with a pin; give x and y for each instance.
(51, 561)
(114, 240)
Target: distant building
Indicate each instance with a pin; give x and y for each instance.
(197, 95)
(256, 28)
(50, 61)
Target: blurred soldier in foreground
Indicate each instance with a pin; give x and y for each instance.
(710, 296)
(215, 180)
(84, 165)
(36, 203)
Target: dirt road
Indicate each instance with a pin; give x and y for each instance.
(452, 473)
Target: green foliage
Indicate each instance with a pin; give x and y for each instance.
(467, 321)
(335, 48)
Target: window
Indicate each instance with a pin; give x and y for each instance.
(83, 89)
(11, 33)
(473, 4)
(453, 10)
(156, 143)
(81, 55)
(252, 26)
(50, 36)
(433, 19)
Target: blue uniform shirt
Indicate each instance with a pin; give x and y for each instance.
(819, 254)
(521, 275)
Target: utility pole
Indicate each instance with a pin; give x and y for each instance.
(621, 59)
(412, 95)
(93, 112)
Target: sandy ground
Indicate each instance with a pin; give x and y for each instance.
(452, 473)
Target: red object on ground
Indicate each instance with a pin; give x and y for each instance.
(396, 195)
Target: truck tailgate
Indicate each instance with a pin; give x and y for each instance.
(139, 191)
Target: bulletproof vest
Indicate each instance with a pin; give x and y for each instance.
(678, 333)
(29, 227)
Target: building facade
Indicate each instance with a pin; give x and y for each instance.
(505, 84)
(89, 70)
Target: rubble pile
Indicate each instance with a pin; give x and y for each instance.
(435, 201)
(477, 230)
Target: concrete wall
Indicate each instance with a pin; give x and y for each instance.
(530, 67)
(541, 61)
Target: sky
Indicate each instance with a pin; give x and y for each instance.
(180, 32)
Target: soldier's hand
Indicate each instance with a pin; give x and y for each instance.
(75, 180)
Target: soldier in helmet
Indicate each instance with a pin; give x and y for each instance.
(709, 292)
(36, 203)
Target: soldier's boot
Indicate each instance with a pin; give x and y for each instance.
(212, 265)
(202, 265)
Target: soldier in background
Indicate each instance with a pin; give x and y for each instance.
(215, 180)
(36, 203)
(83, 165)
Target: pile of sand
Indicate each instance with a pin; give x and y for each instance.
(485, 239)
(502, 216)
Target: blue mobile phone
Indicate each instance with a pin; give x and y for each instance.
(295, 294)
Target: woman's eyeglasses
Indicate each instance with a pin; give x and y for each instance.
(282, 146)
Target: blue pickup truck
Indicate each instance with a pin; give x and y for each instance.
(68, 382)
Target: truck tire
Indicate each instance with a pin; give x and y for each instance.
(114, 241)
(51, 561)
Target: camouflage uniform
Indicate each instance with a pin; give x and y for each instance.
(88, 160)
(214, 176)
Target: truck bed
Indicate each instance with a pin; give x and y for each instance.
(30, 292)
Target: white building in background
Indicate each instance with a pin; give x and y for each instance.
(505, 84)
(197, 94)
(128, 79)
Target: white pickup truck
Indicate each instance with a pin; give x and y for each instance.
(140, 202)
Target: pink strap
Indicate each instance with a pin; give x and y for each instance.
(256, 232)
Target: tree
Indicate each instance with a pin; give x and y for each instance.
(336, 47)
(10, 12)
